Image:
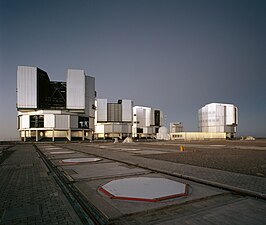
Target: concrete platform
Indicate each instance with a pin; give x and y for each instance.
(205, 204)
(58, 161)
(65, 156)
(114, 208)
(102, 170)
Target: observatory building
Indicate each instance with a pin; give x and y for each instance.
(113, 120)
(52, 109)
(218, 117)
(146, 122)
(121, 120)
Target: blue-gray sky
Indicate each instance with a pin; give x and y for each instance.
(169, 54)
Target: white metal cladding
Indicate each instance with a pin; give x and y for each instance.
(127, 110)
(149, 117)
(230, 115)
(101, 110)
(141, 115)
(27, 87)
(161, 118)
(75, 89)
(62, 121)
(49, 120)
(25, 121)
(99, 128)
(218, 117)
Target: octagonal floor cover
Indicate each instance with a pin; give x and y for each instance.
(144, 189)
(80, 160)
(62, 152)
(52, 148)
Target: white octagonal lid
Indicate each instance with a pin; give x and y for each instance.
(80, 160)
(62, 152)
(148, 189)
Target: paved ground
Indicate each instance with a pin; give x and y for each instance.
(235, 181)
(28, 195)
(205, 205)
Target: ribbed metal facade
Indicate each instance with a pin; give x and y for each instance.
(218, 117)
(113, 119)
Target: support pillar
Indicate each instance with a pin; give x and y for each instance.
(53, 136)
(69, 135)
(37, 135)
(25, 136)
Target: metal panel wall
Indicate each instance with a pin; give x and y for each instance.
(73, 121)
(141, 116)
(230, 115)
(114, 112)
(127, 110)
(89, 95)
(161, 118)
(49, 120)
(62, 121)
(27, 87)
(126, 128)
(99, 129)
(215, 117)
(75, 89)
(101, 110)
(25, 121)
(150, 119)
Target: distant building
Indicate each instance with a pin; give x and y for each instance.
(146, 122)
(197, 136)
(218, 117)
(113, 120)
(50, 109)
(176, 127)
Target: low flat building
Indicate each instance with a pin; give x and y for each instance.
(197, 136)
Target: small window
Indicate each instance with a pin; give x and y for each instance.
(36, 121)
(140, 130)
(83, 122)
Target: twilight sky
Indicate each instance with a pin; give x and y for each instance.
(175, 55)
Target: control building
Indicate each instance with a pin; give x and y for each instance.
(113, 120)
(146, 122)
(218, 117)
(51, 109)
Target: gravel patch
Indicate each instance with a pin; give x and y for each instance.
(250, 162)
